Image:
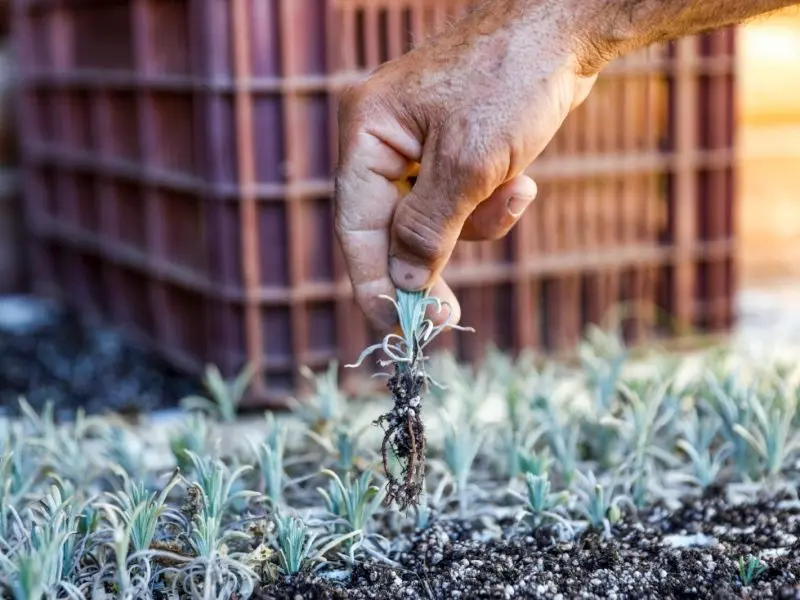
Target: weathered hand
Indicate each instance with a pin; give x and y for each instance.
(471, 109)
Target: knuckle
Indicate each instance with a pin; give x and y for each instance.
(357, 103)
(473, 170)
(467, 165)
(353, 112)
(419, 232)
(351, 99)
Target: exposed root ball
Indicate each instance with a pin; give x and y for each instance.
(405, 436)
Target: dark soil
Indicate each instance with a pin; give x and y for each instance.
(75, 363)
(640, 561)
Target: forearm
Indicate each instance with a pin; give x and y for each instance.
(629, 24)
(602, 30)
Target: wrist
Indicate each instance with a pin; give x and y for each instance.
(593, 31)
(596, 30)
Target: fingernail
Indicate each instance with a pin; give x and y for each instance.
(518, 204)
(408, 277)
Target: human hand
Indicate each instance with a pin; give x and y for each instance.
(470, 109)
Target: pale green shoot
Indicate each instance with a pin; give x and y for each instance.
(225, 396)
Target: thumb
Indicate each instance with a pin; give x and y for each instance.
(428, 221)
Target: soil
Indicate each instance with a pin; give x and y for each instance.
(50, 353)
(690, 553)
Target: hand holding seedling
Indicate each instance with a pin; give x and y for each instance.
(471, 109)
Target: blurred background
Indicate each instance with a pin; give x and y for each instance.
(769, 154)
(165, 197)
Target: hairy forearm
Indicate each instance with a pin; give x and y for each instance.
(628, 24)
(605, 29)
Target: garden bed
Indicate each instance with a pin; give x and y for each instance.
(668, 478)
(51, 353)
(690, 553)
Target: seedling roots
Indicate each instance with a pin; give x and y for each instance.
(404, 434)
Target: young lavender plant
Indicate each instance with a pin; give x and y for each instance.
(140, 510)
(295, 542)
(216, 571)
(644, 426)
(542, 505)
(598, 503)
(197, 436)
(298, 546)
(750, 570)
(341, 445)
(733, 403)
(699, 434)
(270, 455)
(20, 467)
(404, 433)
(225, 396)
(353, 501)
(41, 557)
(461, 446)
(773, 436)
(328, 403)
(131, 573)
(602, 356)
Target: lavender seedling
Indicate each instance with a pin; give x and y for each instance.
(517, 377)
(542, 505)
(750, 570)
(225, 396)
(353, 500)
(43, 557)
(733, 404)
(533, 463)
(328, 403)
(774, 437)
(216, 482)
(57, 513)
(461, 446)
(197, 437)
(20, 468)
(38, 425)
(646, 419)
(404, 433)
(140, 510)
(215, 571)
(602, 356)
(270, 455)
(698, 436)
(65, 452)
(468, 389)
(562, 440)
(342, 444)
(124, 449)
(599, 505)
(34, 571)
(296, 544)
(133, 571)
